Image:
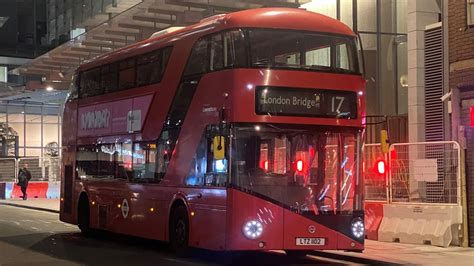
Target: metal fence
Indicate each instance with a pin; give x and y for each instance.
(425, 172)
(8, 169)
(42, 169)
(375, 186)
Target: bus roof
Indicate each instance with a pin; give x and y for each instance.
(273, 18)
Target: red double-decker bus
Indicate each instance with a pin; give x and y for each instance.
(241, 132)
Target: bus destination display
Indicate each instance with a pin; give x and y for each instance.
(306, 102)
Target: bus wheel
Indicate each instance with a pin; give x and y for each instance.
(83, 216)
(179, 231)
(296, 253)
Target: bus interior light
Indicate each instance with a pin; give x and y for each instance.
(220, 166)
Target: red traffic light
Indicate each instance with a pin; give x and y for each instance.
(299, 165)
(381, 167)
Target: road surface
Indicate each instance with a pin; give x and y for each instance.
(30, 237)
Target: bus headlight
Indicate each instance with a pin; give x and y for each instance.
(358, 227)
(252, 229)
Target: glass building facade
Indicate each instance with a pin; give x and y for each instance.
(382, 25)
(36, 125)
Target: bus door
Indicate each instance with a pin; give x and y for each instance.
(207, 194)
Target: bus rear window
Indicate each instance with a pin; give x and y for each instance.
(310, 51)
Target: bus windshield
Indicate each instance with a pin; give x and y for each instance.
(309, 170)
(300, 50)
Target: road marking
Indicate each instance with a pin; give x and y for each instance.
(186, 262)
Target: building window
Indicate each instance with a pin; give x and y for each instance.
(470, 13)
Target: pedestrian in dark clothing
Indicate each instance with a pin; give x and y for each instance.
(24, 176)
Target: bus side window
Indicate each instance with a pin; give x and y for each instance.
(86, 162)
(144, 162)
(124, 161)
(126, 74)
(90, 83)
(164, 149)
(106, 160)
(149, 68)
(198, 169)
(199, 59)
(234, 49)
(217, 53)
(74, 88)
(109, 79)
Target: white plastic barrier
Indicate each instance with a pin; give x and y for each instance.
(421, 224)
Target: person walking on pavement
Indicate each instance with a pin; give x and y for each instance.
(24, 176)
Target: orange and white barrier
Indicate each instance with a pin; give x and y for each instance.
(39, 190)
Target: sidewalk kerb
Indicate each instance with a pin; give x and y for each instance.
(29, 207)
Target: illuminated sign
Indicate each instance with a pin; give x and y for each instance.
(306, 102)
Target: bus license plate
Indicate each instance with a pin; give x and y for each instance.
(310, 241)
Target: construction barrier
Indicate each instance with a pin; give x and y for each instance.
(421, 224)
(423, 191)
(8, 189)
(373, 218)
(54, 189)
(34, 190)
(40, 190)
(375, 186)
(44, 173)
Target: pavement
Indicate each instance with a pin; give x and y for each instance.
(49, 205)
(375, 253)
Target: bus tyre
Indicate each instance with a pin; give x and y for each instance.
(296, 253)
(83, 217)
(179, 231)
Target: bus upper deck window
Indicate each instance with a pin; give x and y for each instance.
(234, 52)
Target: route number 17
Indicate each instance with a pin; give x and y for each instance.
(336, 103)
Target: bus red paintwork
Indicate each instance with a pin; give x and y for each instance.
(216, 214)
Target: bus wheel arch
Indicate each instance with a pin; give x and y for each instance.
(83, 214)
(178, 227)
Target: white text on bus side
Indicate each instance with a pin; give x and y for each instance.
(95, 119)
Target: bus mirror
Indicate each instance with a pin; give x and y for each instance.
(218, 147)
(384, 142)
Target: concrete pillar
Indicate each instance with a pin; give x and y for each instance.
(420, 14)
